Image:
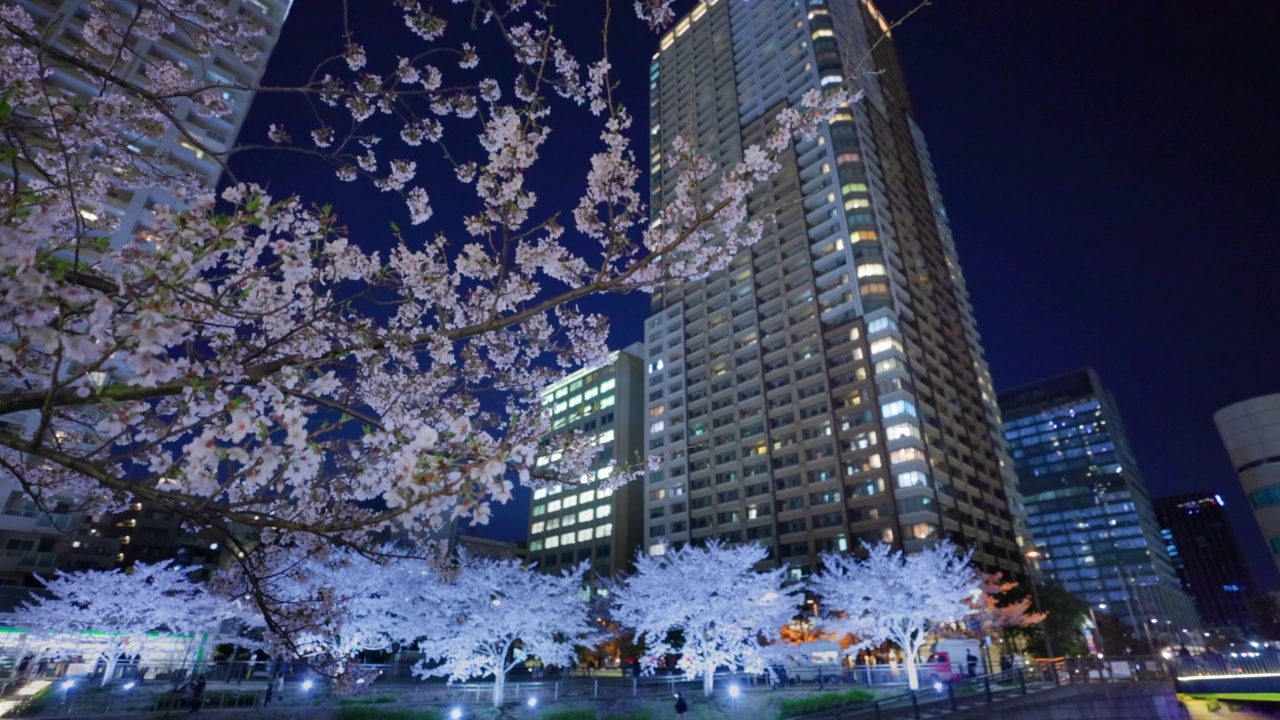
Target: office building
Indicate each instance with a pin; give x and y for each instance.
(61, 535)
(568, 525)
(1087, 505)
(1207, 558)
(829, 387)
(1251, 432)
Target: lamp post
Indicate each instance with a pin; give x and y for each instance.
(1097, 631)
(1033, 555)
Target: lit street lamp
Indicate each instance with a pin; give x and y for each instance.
(1032, 555)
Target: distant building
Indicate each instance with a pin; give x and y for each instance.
(1251, 431)
(1087, 505)
(569, 525)
(1207, 558)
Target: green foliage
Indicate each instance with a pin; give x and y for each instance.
(569, 714)
(818, 703)
(365, 712)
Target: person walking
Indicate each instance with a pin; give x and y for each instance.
(197, 692)
(972, 662)
(682, 707)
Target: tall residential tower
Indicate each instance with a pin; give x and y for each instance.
(1088, 506)
(829, 388)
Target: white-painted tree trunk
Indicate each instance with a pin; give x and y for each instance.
(709, 678)
(113, 659)
(499, 687)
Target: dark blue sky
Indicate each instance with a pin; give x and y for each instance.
(1109, 168)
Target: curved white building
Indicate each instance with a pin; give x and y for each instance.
(1251, 431)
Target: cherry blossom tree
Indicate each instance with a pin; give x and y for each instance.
(329, 608)
(995, 611)
(488, 616)
(109, 610)
(895, 596)
(241, 361)
(713, 598)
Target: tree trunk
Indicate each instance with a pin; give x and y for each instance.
(913, 680)
(499, 687)
(709, 678)
(109, 670)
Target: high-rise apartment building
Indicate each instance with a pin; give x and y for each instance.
(1207, 558)
(35, 541)
(1087, 505)
(568, 525)
(829, 387)
(1250, 429)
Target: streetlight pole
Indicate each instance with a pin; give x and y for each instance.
(1032, 555)
(1097, 631)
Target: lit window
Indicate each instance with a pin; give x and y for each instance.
(898, 407)
(848, 188)
(658, 427)
(885, 344)
(911, 478)
(907, 454)
(539, 510)
(823, 33)
(604, 437)
(553, 543)
(535, 546)
(553, 506)
(585, 535)
(656, 411)
(539, 493)
(590, 393)
(566, 539)
(604, 530)
(586, 515)
(571, 501)
(658, 549)
(655, 495)
(608, 385)
(902, 430)
(859, 236)
(587, 496)
(576, 400)
(870, 269)
(537, 527)
(606, 402)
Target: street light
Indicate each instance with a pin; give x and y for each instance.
(1032, 555)
(1097, 632)
(455, 713)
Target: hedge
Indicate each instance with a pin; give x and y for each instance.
(818, 703)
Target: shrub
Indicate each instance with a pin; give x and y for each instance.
(364, 712)
(818, 703)
(569, 714)
(637, 715)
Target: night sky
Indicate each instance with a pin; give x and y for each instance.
(1109, 168)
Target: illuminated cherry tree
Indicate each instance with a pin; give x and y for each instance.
(723, 610)
(107, 611)
(487, 616)
(894, 596)
(244, 363)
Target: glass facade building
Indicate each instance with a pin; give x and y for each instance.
(568, 525)
(829, 387)
(1207, 558)
(1087, 505)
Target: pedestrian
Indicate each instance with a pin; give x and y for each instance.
(197, 692)
(275, 688)
(682, 707)
(971, 661)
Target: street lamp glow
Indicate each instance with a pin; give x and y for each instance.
(532, 703)
(734, 690)
(937, 685)
(455, 713)
(306, 685)
(68, 684)
(129, 686)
